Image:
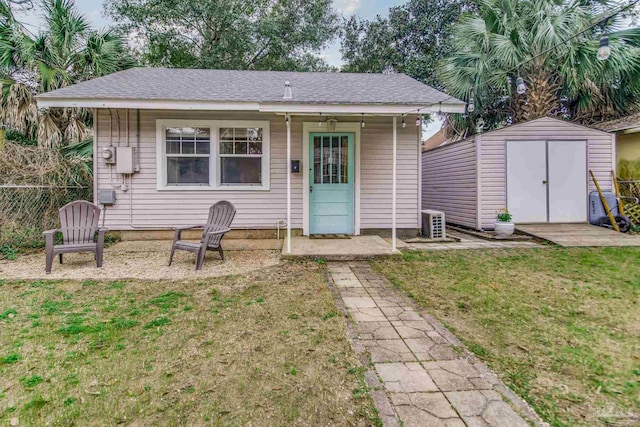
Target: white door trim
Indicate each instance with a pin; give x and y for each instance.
(309, 128)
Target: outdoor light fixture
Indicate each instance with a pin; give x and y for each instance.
(604, 51)
(362, 120)
(521, 88)
(479, 125)
(404, 124)
(320, 120)
(471, 106)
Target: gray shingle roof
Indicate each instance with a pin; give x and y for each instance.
(620, 124)
(254, 86)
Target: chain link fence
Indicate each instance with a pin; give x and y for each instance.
(26, 211)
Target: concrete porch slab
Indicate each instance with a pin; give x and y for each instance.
(579, 235)
(356, 248)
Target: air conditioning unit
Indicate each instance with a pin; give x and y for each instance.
(433, 224)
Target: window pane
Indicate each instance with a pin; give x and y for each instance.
(317, 160)
(326, 154)
(241, 148)
(188, 147)
(335, 161)
(203, 147)
(189, 170)
(240, 134)
(241, 170)
(226, 134)
(255, 147)
(226, 147)
(344, 159)
(254, 134)
(173, 147)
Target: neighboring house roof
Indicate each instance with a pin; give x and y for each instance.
(262, 87)
(436, 140)
(630, 123)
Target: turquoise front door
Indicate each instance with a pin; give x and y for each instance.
(331, 173)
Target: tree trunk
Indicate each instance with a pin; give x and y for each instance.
(540, 99)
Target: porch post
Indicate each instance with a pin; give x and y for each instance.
(393, 189)
(288, 120)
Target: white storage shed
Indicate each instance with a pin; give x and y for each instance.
(539, 170)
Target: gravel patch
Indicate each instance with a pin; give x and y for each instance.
(146, 260)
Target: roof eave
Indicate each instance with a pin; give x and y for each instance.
(279, 107)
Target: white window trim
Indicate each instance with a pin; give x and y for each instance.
(214, 157)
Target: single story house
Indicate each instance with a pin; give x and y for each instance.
(627, 130)
(538, 170)
(322, 153)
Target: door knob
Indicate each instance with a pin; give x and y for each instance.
(544, 181)
(311, 189)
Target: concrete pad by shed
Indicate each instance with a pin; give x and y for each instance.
(577, 235)
(355, 248)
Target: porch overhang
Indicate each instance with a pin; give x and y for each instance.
(278, 108)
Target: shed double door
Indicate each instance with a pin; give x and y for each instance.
(547, 181)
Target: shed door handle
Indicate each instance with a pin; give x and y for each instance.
(544, 181)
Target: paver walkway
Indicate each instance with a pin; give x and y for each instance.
(421, 375)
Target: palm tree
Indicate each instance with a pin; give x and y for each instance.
(511, 39)
(65, 52)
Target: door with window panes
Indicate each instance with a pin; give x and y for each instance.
(331, 183)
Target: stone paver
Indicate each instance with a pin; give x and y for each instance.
(484, 408)
(388, 351)
(425, 409)
(405, 377)
(421, 375)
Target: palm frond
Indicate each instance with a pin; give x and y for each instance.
(49, 135)
(21, 110)
(76, 130)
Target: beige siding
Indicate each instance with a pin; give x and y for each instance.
(376, 175)
(151, 208)
(493, 160)
(449, 182)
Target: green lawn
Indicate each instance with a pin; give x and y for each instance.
(266, 348)
(560, 326)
